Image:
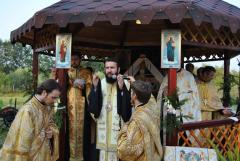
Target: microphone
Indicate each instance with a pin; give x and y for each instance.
(114, 76)
(125, 77)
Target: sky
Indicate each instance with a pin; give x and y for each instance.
(13, 13)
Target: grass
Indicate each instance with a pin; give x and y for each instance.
(9, 99)
(3, 134)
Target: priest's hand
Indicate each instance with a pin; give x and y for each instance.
(131, 79)
(120, 81)
(79, 83)
(227, 112)
(95, 80)
(165, 92)
(49, 133)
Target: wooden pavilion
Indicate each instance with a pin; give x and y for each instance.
(210, 31)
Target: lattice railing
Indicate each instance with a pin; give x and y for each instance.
(206, 34)
(224, 134)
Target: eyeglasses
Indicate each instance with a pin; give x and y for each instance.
(55, 97)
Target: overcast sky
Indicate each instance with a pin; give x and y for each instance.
(13, 13)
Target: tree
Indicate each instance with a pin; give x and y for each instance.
(16, 66)
(14, 56)
(4, 81)
(20, 79)
(45, 65)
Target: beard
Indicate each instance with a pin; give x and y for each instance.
(75, 66)
(110, 79)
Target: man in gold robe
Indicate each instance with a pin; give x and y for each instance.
(79, 119)
(33, 136)
(139, 138)
(109, 104)
(211, 105)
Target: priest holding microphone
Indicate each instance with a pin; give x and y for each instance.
(110, 106)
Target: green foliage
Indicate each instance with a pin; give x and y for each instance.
(172, 121)
(5, 99)
(174, 101)
(16, 67)
(10, 101)
(230, 82)
(58, 119)
(231, 155)
(3, 134)
(1, 103)
(20, 79)
(15, 56)
(96, 66)
(45, 65)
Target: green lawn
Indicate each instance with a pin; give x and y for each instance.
(6, 100)
(9, 99)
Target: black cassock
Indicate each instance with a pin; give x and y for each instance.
(123, 104)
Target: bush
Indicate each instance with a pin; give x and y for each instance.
(231, 155)
(1, 103)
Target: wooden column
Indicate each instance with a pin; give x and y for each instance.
(227, 87)
(172, 81)
(63, 136)
(172, 138)
(35, 66)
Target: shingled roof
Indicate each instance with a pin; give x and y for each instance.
(217, 12)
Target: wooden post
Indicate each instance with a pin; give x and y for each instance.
(172, 81)
(35, 66)
(172, 139)
(63, 137)
(227, 87)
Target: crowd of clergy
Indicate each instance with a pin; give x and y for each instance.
(108, 119)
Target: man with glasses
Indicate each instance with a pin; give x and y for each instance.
(33, 134)
(211, 105)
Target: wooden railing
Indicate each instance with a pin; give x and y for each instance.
(224, 134)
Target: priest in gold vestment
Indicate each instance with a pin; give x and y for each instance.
(109, 104)
(33, 136)
(139, 139)
(79, 119)
(211, 105)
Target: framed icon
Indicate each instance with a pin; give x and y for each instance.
(177, 153)
(171, 49)
(63, 50)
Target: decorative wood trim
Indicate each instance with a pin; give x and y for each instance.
(206, 36)
(135, 67)
(204, 58)
(205, 124)
(46, 48)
